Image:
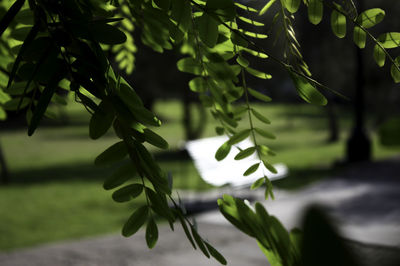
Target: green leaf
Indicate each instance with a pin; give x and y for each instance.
(242, 61)
(225, 9)
(237, 39)
(28, 40)
(151, 233)
(219, 130)
(9, 16)
(163, 4)
(260, 117)
(264, 133)
(251, 21)
(216, 255)
(181, 12)
(315, 11)
(390, 40)
(101, 120)
(127, 193)
(255, 53)
(198, 84)
(259, 95)
(137, 219)
(394, 70)
(42, 104)
(359, 37)
(4, 97)
(112, 154)
(245, 153)
(222, 151)
(370, 17)
(186, 230)
(155, 139)
(246, 8)
(208, 29)
(159, 204)
(270, 167)
(263, 149)
(120, 176)
(338, 24)
(12, 104)
(199, 242)
(189, 65)
(379, 56)
(307, 91)
(238, 137)
(266, 7)
(251, 169)
(292, 5)
(258, 183)
(3, 114)
(258, 73)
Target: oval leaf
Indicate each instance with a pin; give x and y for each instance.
(264, 133)
(216, 255)
(338, 24)
(258, 183)
(155, 139)
(238, 137)
(292, 5)
(101, 120)
(315, 11)
(370, 17)
(390, 40)
(208, 29)
(127, 193)
(379, 56)
(114, 153)
(359, 37)
(123, 174)
(151, 233)
(307, 91)
(222, 151)
(199, 242)
(270, 167)
(259, 95)
(251, 169)
(394, 71)
(245, 153)
(260, 116)
(137, 219)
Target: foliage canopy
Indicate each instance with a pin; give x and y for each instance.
(52, 47)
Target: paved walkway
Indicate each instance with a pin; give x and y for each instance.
(364, 200)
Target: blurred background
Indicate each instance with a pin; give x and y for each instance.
(52, 191)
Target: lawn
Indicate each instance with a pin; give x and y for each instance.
(56, 192)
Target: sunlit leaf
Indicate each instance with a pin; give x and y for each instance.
(245, 153)
(251, 169)
(292, 5)
(223, 151)
(379, 56)
(338, 24)
(266, 7)
(238, 137)
(259, 95)
(394, 71)
(258, 183)
(315, 11)
(390, 40)
(307, 91)
(370, 17)
(359, 37)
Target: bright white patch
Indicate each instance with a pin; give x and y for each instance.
(229, 170)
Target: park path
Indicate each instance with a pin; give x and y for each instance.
(364, 200)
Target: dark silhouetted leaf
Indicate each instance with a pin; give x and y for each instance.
(137, 219)
(127, 193)
(151, 233)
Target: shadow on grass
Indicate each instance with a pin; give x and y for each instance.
(301, 177)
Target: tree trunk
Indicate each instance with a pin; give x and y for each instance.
(4, 175)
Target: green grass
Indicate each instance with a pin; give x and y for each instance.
(56, 192)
